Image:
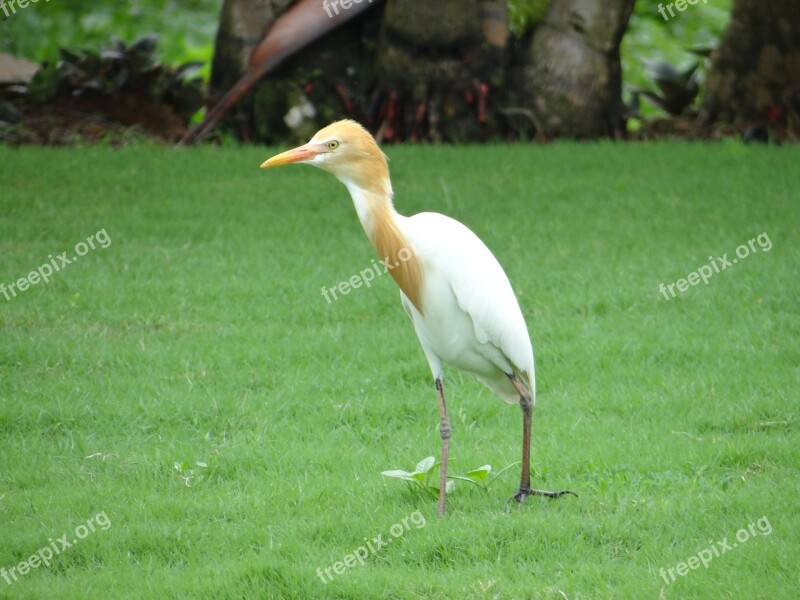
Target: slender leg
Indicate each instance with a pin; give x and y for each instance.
(526, 403)
(444, 429)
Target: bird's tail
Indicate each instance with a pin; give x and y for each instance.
(529, 381)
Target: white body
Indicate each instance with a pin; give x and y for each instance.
(472, 319)
(466, 314)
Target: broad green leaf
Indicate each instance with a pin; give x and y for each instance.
(425, 465)
(449, 487)
(398, 474)
(481, 473)
(460, 478)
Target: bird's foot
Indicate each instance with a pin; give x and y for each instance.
(524, 492)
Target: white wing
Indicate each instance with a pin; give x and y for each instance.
(454, 256)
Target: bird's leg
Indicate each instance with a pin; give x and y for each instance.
(526, 403)
(444, 430)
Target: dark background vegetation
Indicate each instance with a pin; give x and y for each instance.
(186, 31)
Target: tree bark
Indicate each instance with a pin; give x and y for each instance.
(442, 60)
(443, 70)
(571, 73)
(241, 27)
(755, 73)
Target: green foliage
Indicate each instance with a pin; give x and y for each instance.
(676, 90)
(119, 67)
(650, 39)
(188, 472)
(420, 477)
(480, 476)
(524, 14)
(186, 29)
(115, 69)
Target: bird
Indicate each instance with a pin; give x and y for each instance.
(452, 287)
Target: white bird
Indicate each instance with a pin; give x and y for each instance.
(452, 287)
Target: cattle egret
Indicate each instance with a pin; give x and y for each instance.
(452, 287)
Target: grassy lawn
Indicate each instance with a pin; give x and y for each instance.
(189, 392)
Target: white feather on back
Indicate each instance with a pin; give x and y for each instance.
(452, 254)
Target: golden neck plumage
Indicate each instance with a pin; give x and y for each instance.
(403, 262)
(377, 215)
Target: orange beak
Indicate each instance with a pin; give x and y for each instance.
(299, 154)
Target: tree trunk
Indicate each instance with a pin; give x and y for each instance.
(440, 62)
(425, 70)
(571, 76)
(755, 73)
(241, 27)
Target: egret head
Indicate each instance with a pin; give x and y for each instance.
(347, 151)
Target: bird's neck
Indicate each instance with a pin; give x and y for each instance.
(384, 228)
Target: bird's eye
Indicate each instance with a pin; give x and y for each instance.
(333, 145)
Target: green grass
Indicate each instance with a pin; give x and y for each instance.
(201, 335)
